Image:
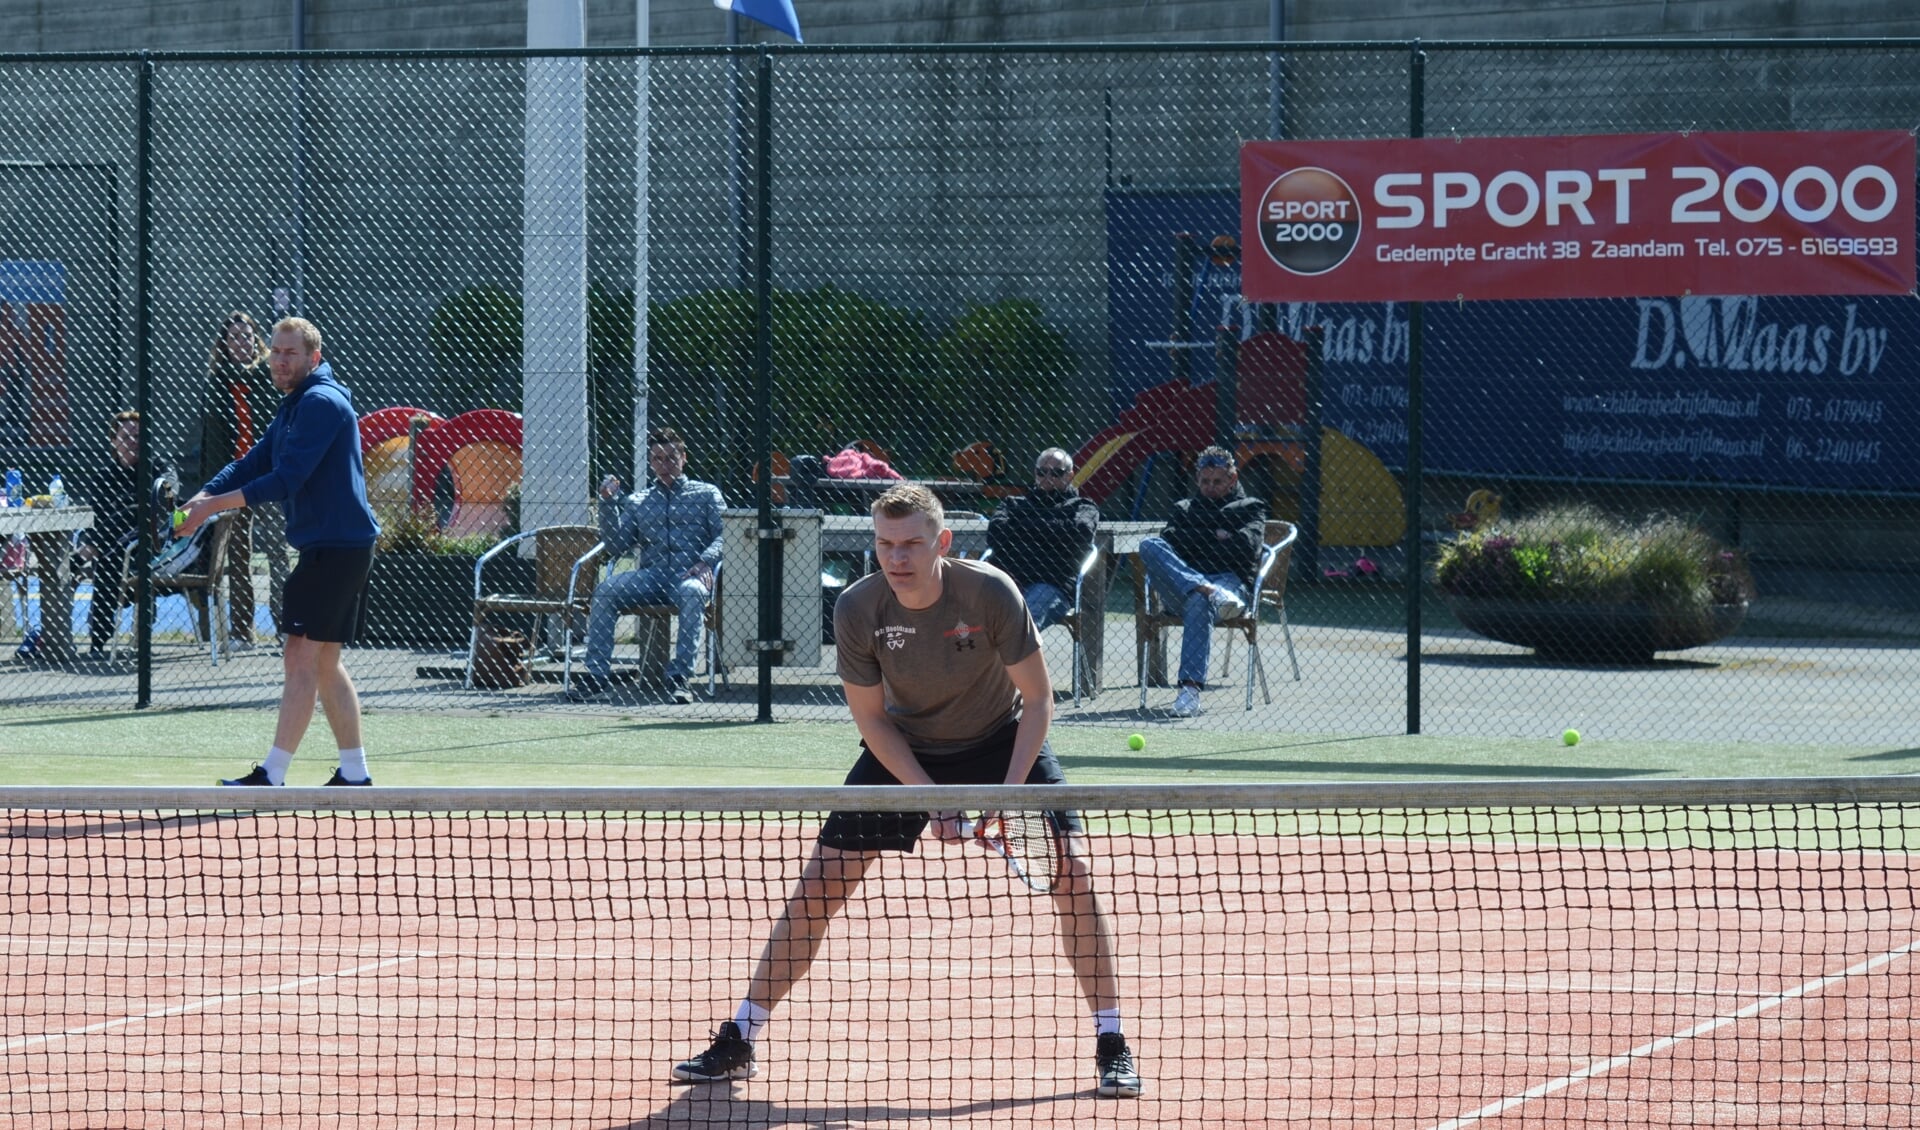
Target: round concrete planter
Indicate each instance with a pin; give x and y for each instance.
(1593, 633)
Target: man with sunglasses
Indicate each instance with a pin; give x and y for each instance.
(1040, 539)
(1204, 564)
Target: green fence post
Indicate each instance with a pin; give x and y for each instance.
(143, 382)
(1416, 349)
(769, 530)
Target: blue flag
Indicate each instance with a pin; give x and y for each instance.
(776, 14)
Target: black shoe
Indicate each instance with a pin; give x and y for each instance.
(337, 779)
(1118, 1079)
(681, 693)
(257, 777)
(585, 687)
(730, 1057)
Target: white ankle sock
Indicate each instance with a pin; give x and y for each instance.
(276, 764)
(353, 763)
(751, 1018)
(1106, 1020)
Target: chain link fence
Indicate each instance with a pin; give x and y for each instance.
(956, 261)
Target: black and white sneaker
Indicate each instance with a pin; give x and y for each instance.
(1118, 1079)
(256, 778)
(680, 693)
(339, 778)
(730, 1057)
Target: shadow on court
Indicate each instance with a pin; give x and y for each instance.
(1889, 755)
(712, 1105)
(1360, 770)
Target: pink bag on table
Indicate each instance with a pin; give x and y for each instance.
(854, 463)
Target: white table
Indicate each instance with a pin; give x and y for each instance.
(853, 534)
(49, 534)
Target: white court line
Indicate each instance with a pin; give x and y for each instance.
(12, 945)
(1601, 1067)
(208, 1002)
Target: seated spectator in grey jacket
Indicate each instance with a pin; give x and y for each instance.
(674, 527)
(1040, 539)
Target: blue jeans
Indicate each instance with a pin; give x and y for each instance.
(1047, 603)
(656, 585)
(1179, 587)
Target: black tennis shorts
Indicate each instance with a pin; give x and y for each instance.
(326, 595)
(982, 764)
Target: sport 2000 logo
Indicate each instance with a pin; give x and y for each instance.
(1309, 221)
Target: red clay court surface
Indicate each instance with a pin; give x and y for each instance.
(457, 971)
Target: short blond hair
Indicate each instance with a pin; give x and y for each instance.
(309, 333)
(903, 500)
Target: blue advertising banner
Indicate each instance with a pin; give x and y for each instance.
(1807, 393)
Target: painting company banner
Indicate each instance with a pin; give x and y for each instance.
(1601, 216)
(1802, 392)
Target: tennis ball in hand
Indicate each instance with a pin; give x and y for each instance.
(1570, 736)
(1135, 741)
(179, 518)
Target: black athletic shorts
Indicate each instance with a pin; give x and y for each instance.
(982, 764)
(325, 598)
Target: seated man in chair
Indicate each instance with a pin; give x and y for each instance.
(1204, 563)
(1040, 539)
(674, 528)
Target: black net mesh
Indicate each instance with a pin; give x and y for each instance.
(1568, 959)
(975, 256)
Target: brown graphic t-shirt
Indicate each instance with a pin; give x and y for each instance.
(944, 668)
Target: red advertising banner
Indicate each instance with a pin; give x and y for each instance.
(1602, 216)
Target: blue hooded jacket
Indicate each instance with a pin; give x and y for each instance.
(309, 459)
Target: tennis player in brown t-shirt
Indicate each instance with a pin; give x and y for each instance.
(945, 680)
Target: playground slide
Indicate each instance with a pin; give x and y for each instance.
(1360, 502)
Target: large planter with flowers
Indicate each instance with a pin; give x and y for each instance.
(1579, 586)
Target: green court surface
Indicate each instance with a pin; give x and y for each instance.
(193, 747)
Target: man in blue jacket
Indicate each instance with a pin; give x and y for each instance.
(309, 462)
(674, 525)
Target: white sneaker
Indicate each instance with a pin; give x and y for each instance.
(1227, 606)
(1186, 704)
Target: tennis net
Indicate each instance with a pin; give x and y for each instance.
(1425, 956)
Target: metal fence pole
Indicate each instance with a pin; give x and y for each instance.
(1416, 350)
(143, 382)
(770, 557)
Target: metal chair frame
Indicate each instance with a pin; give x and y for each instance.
(1269, 590)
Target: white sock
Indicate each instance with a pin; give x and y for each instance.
(751, 1018)
(276, 764)
(1106, 1020)
(353, 763)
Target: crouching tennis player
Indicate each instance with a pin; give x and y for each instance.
(945, 680)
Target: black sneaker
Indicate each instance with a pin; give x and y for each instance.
(681, 693)
(1118, 1079)
(337, 779)
(585, 687)
(730, 1057)
(258, 777)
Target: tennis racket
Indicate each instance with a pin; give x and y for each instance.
(1029, 842)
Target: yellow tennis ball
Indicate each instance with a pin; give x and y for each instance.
(1570, 736)
(1135, 741)
(179, 518)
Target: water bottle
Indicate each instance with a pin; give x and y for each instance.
(57, 492)
(16, 488)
